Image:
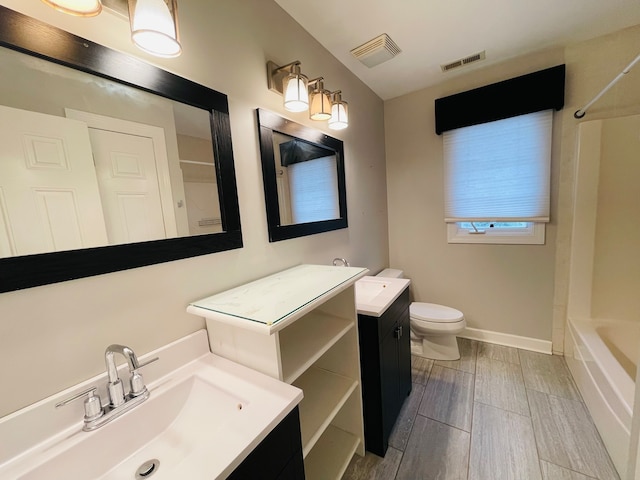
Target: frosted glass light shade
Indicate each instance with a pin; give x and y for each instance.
(320, 108)
(296, 93)
(339, 115)
(154, 27)
(79, 8)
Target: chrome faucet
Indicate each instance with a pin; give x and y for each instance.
(97, 415)
(338, 260)
(115, 387)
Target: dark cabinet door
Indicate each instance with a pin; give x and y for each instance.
(404, 357)
(278, 456)
(390, 383)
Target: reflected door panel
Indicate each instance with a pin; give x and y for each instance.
(49, 192)
(129, 187)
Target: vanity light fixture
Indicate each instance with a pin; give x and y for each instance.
(320, 101)
(301, 94)
(339, 112)
(154, 26)
(79, 8)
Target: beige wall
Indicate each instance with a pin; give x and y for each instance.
(503, 288)
(513, 289)
(616, 263)
(54, 336)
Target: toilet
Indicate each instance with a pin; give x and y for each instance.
(433, 327)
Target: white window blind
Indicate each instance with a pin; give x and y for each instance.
(499, 171)
(314, 190)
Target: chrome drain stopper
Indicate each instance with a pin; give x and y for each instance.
(147, 469)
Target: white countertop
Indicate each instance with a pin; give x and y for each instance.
(375, 294)
(179, 423)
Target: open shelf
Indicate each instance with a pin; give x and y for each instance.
(331, 455)
(324, 395)
(300, 326)
(306, 340)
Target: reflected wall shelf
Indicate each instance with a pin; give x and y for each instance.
(300, 326)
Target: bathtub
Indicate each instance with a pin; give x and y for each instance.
(603, 357)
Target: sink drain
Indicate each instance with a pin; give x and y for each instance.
(147, 469)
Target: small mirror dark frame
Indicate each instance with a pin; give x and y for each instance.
(269, 123)
(30, 36)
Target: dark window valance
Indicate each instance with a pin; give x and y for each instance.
(296, 151)
(529, 93)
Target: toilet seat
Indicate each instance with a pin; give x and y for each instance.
(431, 312)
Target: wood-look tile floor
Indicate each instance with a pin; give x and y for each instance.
(498, 413)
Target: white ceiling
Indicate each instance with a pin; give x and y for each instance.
(431, 33)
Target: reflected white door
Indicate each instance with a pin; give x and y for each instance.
(49, 199)
(128, 180)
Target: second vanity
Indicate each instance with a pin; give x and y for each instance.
(300, 326)
(385, 355)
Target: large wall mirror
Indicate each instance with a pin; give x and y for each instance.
(106, 162)
(304, 181)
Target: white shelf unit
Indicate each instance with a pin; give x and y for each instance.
(325, 394)
(302, 343)
(331, 455)
(314, 347)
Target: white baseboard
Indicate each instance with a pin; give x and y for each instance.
(508, 340)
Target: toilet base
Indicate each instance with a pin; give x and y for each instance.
(436, 347)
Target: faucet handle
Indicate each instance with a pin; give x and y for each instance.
(136, 381)
(92, 404)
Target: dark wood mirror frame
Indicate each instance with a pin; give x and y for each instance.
(269, 123)
(27, 35)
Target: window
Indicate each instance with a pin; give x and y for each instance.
(497, 180)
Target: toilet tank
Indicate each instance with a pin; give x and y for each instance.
(391, 273)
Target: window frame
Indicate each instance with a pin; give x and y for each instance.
(533, 234)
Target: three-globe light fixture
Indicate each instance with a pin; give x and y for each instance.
(301, 94)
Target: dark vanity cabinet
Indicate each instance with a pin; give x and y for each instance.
(278, 456)
(385, 361)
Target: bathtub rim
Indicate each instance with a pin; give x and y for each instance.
(606, 404)
(622, 385)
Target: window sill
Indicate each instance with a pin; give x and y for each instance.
(535, 235)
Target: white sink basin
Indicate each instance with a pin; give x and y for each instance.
(375, 294)
(200, 421)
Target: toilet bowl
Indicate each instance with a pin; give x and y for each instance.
(433, 327)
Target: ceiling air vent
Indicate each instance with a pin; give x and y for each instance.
(376, 51)
(464, 61)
